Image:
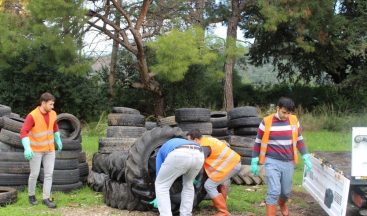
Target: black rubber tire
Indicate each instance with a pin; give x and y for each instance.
(241, 141)
(121, 119)
(246, 160)
(150, 125)
(242, 151)
(204, 127)
(12, 156)
(13, 167)
(66, 188)
(125, 131)
(116, 166)
(140, 167)
(192, 115)
(11, 138)
(61, 177)
(82, 157)
(245, 131)
(118, 195)
(75, 127)
(8, 148)
(13, 179)
(110, 144)
(96, 180)
(100, 163)
(70, 164)
(125, 110)
(12, 123)
(219, 119)
(83, 169)
(71, 145)
(66, 155)
(219, 132)
(4, 110)
(239, 112)
(244, 122)
(8, 195)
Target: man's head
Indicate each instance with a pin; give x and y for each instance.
(285, 107)
(47, 101)
(194, 135)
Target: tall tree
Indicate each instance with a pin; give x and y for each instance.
(308, 40)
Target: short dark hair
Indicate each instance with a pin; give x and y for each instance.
(287, 103)
(195, 134)
(45, 97)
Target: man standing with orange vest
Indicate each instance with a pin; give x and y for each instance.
(278, 138)
(39, 134)
(221, 163)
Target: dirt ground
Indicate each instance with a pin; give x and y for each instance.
(312, 209)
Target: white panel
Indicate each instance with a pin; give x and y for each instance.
(322, 178)
(359, 151)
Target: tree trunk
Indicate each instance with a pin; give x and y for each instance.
(230, 59)
(114, 57)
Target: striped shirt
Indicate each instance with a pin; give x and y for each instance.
(280, 140)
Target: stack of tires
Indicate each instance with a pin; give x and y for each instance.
(135, 189)
(125, 125)
(14, 169)
(194, 118)
(71, 168)
(244, 122)
(167, 121)
(220, 124)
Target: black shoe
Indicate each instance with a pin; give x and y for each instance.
(32, 200)
(49, 203)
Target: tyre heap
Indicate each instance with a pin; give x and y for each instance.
(125, 125)
(194, 118)
(220, 124)
(71, 169)
(244, 123)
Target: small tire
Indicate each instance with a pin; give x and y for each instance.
(8, 195)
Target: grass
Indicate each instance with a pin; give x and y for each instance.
(241, 198)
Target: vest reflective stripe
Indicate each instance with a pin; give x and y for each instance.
(221, 160)
(41, 135)
(268, 121)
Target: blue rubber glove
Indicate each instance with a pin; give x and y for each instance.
(196, 182)
(28, 153)
(254, 166)
(154, 203)
(307, 162)
(57, 138)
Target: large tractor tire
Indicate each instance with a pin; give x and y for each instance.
(140, 168)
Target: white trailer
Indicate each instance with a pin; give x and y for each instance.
(339, 178)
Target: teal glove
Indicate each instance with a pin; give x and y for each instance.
(28, 153)
(307, 162)
(254, 166)
(57, 138)
(154, 203)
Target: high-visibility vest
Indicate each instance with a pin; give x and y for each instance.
(268, 121)
(41, 135)
(221, 160)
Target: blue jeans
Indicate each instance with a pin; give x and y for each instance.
(279, 176)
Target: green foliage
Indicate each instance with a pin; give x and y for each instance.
(176, 51)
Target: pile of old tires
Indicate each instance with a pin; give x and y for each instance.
(124, 167)
(219, 122)
(243, 123)
(14, 169)
(194, 118)
(125, 125)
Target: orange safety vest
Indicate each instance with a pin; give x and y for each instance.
(221, 160)
(41, 136)
(268, 120)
